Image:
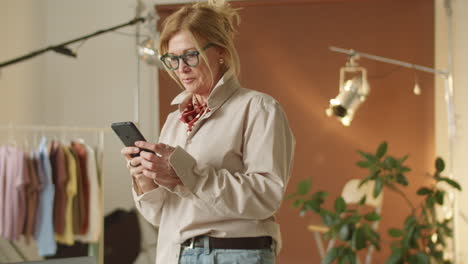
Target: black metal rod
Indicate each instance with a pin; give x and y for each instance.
(99, 32)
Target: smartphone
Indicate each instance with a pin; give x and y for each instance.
(129, 134)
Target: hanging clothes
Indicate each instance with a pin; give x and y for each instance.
(46, 244)
(79, 201)
(67, 237)
(32, 192)
(15, 200)
(81, 152)
(95, 210)
(51, 196)
(60, 178)
(94, 205)
(3, 157)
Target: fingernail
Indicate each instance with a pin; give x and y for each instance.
(137, 143)
(136, 149)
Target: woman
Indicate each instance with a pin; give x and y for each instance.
(224, 157)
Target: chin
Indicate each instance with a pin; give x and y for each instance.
(193, 88)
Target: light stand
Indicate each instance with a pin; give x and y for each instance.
(62, 47)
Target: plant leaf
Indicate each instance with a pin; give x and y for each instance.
(408, 238)
(390, 162)
(371, 235)
(374, 175)
(358, 241)
(340, 205)
(405, 169)
(393, 232)
(363, 200)
(304, 186)
(439, 196)
(401, 179)
(440, 165)
(290, 196)
(312, 205)
(327, 217)
(381, 150)
(331, 256)
(378, 187)
(424, 191)
(368, 156)
(430, 201)
(298, 203)
(395, 258)
(452, 183)
(403, 159)
(372, 216)
(364, 164)
(409, 222)
(419, 258)
(319, 196)
(351, 257)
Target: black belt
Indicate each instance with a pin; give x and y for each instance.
(231, 242)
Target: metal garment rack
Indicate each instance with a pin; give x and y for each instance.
(42, 129)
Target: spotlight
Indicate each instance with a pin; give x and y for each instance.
(148, 52)
(353, 92)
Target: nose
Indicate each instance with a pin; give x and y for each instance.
(183, 67)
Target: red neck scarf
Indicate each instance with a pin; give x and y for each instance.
(193, 112)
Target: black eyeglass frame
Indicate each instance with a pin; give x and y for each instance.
(183, 57)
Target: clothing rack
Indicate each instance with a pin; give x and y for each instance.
(45, 128)
(11, 128)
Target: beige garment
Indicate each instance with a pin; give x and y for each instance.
(67, 237)
(95, 200)
(234, 165)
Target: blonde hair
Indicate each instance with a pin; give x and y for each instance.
(207, 22)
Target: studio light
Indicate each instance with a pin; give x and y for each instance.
(354, 90)
(148, 52)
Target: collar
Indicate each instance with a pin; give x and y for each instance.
(222, 91)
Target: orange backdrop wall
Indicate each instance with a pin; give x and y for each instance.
(283, 46)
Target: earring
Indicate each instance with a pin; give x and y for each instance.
(221, 61)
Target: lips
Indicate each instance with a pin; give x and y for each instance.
(188, 80)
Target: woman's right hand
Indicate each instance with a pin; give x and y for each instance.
(144, 184)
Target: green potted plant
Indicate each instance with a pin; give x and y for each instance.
(422, 237)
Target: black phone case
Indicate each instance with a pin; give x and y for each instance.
(128, 134)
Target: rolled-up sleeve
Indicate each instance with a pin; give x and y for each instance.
(267, 154)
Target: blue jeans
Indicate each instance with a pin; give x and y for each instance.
(226, 256)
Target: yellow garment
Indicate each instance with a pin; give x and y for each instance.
(67, 238)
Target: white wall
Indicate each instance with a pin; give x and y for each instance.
(97, 88)
(93, 90)
(460, 69)
(23, 30)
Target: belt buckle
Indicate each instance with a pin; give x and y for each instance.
(192, 242)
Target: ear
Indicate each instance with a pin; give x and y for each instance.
(221, 52)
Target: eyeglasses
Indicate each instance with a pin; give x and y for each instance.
(191, 58)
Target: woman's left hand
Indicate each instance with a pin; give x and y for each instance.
(157, 167)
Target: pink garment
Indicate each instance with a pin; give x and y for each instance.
(3, 156)
(15, 198)
(10, 214)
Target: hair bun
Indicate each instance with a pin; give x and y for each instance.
(222, 7)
